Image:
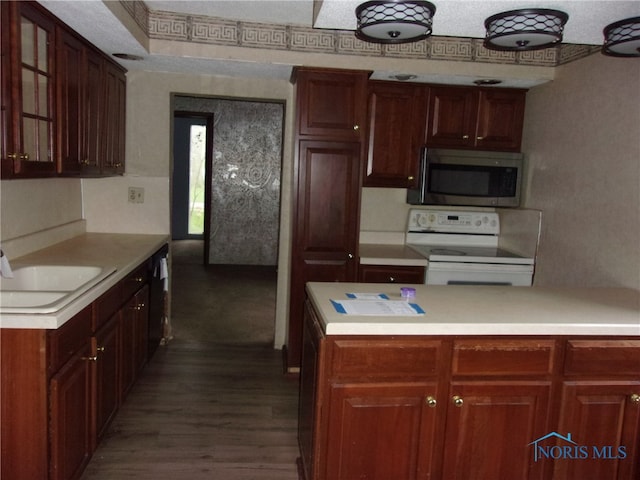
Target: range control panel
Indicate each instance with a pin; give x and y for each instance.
(446, 221)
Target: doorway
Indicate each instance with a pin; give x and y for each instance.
(242, 188)
(191, 198)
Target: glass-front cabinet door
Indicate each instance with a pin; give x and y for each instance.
(28, 38)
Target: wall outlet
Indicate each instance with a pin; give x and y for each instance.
(136, 195)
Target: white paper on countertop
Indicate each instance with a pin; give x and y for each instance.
(390, 308)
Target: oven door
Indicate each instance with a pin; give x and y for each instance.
(452, 273)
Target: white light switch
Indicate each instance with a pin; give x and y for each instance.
(136, 195)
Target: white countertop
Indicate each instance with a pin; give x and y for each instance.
(122, 251)
(400, 255)
(486, 310)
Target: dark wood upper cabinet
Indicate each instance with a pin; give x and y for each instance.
(331, 103)
(71, 80)
(395, 133)
(114, 120)
(500, 119)
(63, 101)
(28, 91)
(475, 118)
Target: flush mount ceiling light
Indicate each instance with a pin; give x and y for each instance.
(622, 39)
(527, 29)
(394, 21)
(487, 81)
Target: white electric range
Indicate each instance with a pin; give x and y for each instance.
(462, 249)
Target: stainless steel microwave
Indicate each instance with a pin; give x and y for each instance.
(465, 177)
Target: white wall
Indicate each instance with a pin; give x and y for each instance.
(582, 140)
(38, 205)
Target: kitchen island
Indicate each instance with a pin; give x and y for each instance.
(490, 382)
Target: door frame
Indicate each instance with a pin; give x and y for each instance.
(208, 165)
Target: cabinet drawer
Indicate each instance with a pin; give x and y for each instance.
(395, 359)
(69, 338)
(135, 281)
(108, 304)
(393, 274)
(613, 357)
(503, 357)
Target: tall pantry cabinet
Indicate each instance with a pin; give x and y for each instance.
(330, 128)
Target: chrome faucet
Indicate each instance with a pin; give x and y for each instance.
(5, 267)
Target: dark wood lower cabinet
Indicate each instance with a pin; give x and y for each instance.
(489, 428)
(70, 411)
(468, 408)
(107, 346)
(603, 418)
(380, 431)
(61, 388)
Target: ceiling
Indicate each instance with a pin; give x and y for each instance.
(456, 18)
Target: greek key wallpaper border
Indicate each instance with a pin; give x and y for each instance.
(217, 31)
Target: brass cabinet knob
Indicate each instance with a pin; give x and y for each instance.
(90, 359)
(12, 156)
(350, 256)
(457, 401)
(431, 401)
(356, 128)
(635, 398)
(410, 177)
(100, 349)
(392, 279)
(465, 137)
(24, 156)
(479, 138)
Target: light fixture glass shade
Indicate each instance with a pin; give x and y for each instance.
(394, 21)
(622, 39)
(527, 29)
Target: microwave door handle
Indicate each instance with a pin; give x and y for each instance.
(424, 168)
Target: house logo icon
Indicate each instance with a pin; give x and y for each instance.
(539, 449)
(565, 448)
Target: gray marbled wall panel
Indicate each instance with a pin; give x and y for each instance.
(245, 188)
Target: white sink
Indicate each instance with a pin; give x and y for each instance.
(50, 277)
(28, 298)
(47, 288)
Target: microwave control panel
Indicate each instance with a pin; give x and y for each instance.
(446, 221)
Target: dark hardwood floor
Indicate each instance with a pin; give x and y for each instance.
(206, 407)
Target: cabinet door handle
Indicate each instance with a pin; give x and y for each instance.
(350, 256)
(465, 137)
(90, 359)
(392, 279)
(635, 398)
(100, 349)
(410, 178)
(138, 307)
(431, 402)
(457, 401)
(356, 128)
(479, 138)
